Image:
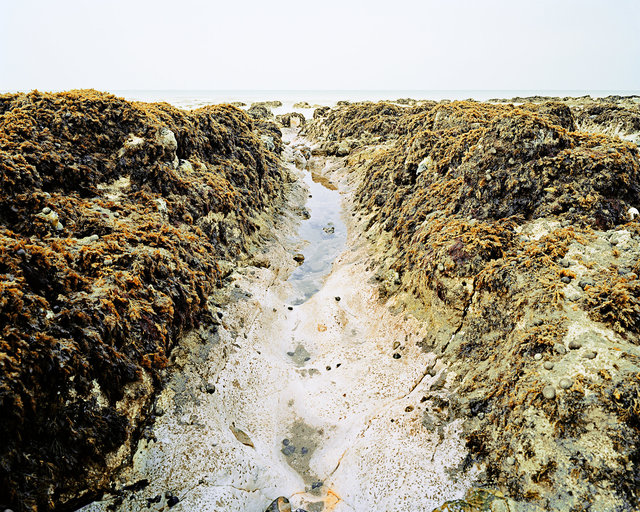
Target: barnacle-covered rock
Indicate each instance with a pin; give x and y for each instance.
(113, 218)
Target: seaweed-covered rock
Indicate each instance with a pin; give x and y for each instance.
(113, 217)
(292, 119)
(507, 231)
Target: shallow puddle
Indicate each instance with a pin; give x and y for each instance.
(325, 235)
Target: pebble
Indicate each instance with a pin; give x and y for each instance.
(328, 368)
(158, 411)
(589, 354)
(210, 387)
(440, 267)
(396, 356)
(548, 365)
(564, 263)
(565, 279)
(537, 357)
(316, 485)
(172, 501)
(549, 392)
(304, 450)
(289, 450)
(46, 210)
(108, 262)
(585, 282)
(396, 344)
(511, 461)
(280, 504)
(21, 252)
(337, 299)
(290, 308)
(565, 383)
(560, 349)
(299, 257)
(575, 344)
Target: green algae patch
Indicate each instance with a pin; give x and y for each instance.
(508, 231)
(114, 217)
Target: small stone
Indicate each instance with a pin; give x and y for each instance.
(59, 226)
(440, 267)
(304, 450)
(549, 392)
(589, 354)
(585, 282)
(172, 501)
(560, 349)
(480, 415)
(46, 210)
(548, 365)
(317, 485)
(511, 461)
(290, 308)
(396, 356)
(396, 344)
(565, 383)
(286, 442)
(337, 299)
(289, 450)
(565, 279)
(328, 368)
(537, 357)
(291, 354)
(21, 252)
(158, 411)
(280, 504)
(298, 257)
(338, 365)
(108, 262)
(241, 436)
(564, 263)
(210, 387)
(575, 344)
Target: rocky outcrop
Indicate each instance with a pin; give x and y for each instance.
(292, 120)
(117, 222)
(512, 234)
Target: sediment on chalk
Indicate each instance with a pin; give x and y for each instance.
(508, 231)
(117, 221)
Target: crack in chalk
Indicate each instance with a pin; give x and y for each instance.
(464, 314)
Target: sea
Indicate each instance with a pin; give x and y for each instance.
(191, 99)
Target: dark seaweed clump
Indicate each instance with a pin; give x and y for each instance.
(447, 194)
(114, 217)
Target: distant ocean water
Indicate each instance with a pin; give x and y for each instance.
(194, 99)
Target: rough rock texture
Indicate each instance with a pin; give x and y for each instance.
(117, 221)
(507, 231)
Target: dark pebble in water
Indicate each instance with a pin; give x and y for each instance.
(566, 279)
(396, 356)
(316, 485)
(286, 442)
(289, 450)
(172, 500)
(304, 450)
(337, 299)
(290, 308)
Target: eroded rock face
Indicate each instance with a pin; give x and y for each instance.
(507, 231)
(115, 218)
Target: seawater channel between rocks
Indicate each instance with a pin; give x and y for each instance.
(325, 234)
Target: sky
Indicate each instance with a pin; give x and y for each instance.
(322, 45)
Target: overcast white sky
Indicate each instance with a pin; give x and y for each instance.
(327, 44)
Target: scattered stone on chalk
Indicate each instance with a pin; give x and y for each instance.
(589, 354)
(511, 461)
(548, 365)
(565, 279)
(564, 263)
(337, 299)
(290, 308)
(289, 450)
(440, 267)
(549, 392)
(575, 344)
(304, 450)
(537, 357)
(316, 485)
(46, 210)
(565, 383)
(286, 442)
(584, 283)
(299, 257)
(290, 354)
(328, 368)
(560, 349)
(210, 387)
(280, 504)
(396, 356)
(172, 501)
